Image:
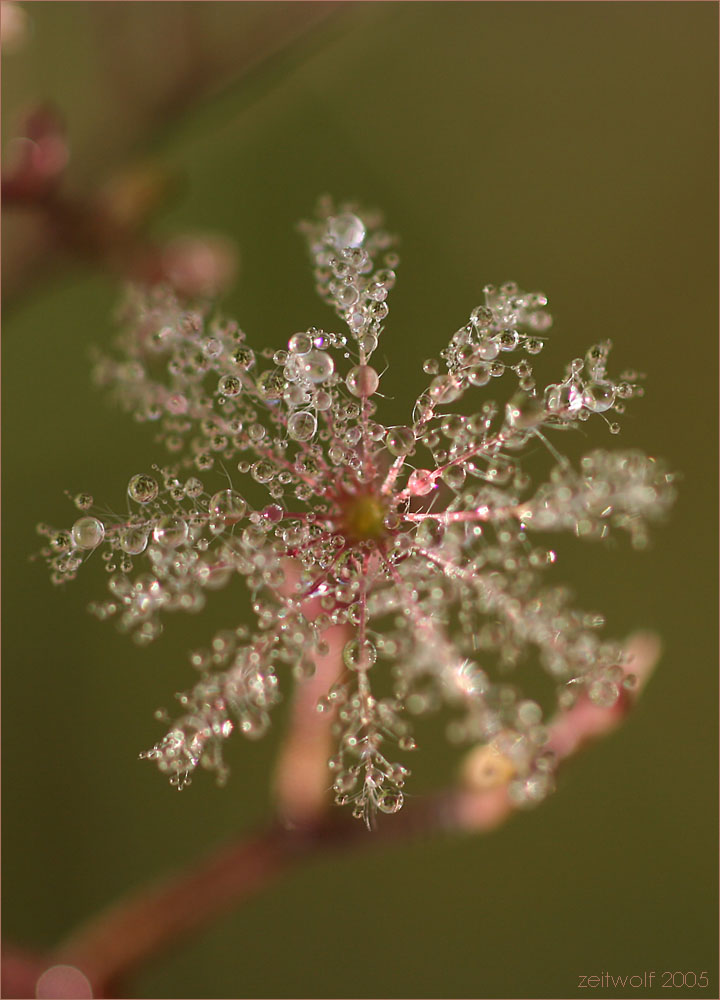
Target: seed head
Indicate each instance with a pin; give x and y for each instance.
(425, 541)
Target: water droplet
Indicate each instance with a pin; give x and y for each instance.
(345, 782)
(212, 347)
(230, 385)
(564, 399)
(228, 504)
(421, 482)
(177, 403)
(88, 532)
(454, 476)
(61, 541)
(194, 487)
(262, 471)
(83, 501)
(400, 440)
(134, 540)
(271, 384)
(170, 531)
(481, 317)
(523, 411)
(300, 343)
(362, 380)
(359, 655)
(142, 488)
(346, 230)
(243, 358)
(348, 296)
(478, 375)
(603, 693)
(318, 366)
(599, 396)
(302, 425)
(390, 802)
(487, 350)
(445, 389)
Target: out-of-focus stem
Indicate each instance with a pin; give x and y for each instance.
(130, 932)
(301, 779)
(481, 808)
(301, 776)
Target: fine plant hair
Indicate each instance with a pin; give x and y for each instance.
(393, 571)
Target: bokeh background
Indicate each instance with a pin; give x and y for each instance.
(570, 146)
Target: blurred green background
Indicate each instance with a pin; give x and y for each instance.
(570, 146)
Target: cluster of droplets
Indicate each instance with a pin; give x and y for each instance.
(418, 540)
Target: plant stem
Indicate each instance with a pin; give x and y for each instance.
(112, 945)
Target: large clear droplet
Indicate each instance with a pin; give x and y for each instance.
(230, 385)
(88, 532)
(599, 396)
(346, 230)
(362, 380)
(134, 540)
(228, 504)
(170, 531)
(420, 482)
(318, 366)
(400, 440)
(359, 655)
(142, 488)
(302, 425)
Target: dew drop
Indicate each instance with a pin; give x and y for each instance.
(271, 385)
(243, 358)
(400, 440)
(481, 317)
(194, 487)
(445, 389)
(83, 501)
(88, 532)
(488, 350)
(134, 540)
(346, 230)
(262, 471)
(300, 343)
(230, 385)
(599, 396)
(142, 488)
(318, 366)
(170, 531)
(454, 477)
(603, 693)
(390, 802)
(420, 482)
(228, 504)
(61, 541)
(302, 425)
(362, 380)
(176, 403)
(359, 655)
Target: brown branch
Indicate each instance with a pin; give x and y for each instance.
(112, 945)
(83, 227)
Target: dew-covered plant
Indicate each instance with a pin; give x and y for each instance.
(422, 545)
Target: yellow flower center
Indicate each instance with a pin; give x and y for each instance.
(364, 517)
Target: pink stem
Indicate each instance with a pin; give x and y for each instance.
(113, 944)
